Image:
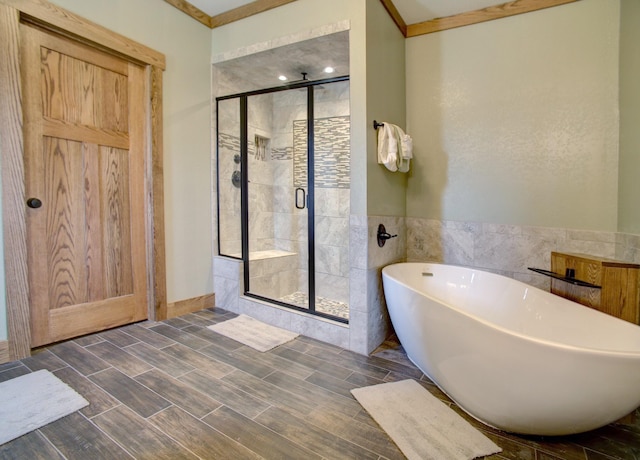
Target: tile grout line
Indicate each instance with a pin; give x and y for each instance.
(51, 443)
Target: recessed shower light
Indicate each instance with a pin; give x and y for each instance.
(329, 70)
(282, 78)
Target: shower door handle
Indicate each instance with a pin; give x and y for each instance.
(298, 200)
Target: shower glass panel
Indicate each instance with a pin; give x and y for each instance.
(229, 178)
(331, 142)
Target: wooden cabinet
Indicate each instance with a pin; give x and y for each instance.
(619, 293)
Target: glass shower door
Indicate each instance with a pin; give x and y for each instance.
(277, 198)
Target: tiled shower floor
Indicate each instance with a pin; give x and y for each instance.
(328, 306)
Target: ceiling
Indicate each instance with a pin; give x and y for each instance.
(261, 70)
(412, 11)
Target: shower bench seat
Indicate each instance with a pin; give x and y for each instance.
(273, 273)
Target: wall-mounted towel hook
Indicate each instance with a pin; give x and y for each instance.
(377, 125)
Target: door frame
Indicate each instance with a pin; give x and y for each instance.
(61, 21)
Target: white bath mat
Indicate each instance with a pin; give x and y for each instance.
(422, 426)
(31, 401)
(253, 333)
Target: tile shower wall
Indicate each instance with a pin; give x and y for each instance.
(510, 249)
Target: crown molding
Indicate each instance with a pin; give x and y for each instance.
(250, 9)
(395, 15)
(191, 10)
(468, 18)
(477, 16)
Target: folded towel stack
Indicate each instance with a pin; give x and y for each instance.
(395, 148)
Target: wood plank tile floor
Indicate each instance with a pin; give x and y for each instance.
(176, 390)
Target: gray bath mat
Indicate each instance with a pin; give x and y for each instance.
(31, 401)
(422, 426)
(253, 333)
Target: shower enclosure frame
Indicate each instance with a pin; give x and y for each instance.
(244, 189)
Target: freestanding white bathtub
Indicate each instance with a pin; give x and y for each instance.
(515, 357)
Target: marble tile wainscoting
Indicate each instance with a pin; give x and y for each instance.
(509, 249)
(628, 247)
(368, 307)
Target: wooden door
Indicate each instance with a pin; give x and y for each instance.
(84, 113)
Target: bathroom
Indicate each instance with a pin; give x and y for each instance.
(512, 162)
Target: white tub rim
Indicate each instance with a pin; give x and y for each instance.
(511, 332)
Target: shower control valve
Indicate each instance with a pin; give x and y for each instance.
(383, 236)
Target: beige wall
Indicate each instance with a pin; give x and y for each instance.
(187, 146)
(629, 186)
(516, 121)
(386, 101)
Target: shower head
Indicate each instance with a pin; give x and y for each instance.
(304, 79)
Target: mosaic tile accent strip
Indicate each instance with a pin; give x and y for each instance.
(328, 306)
(284, 153)
(332, 152)
(231, 142)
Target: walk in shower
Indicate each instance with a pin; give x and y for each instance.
(283, 166)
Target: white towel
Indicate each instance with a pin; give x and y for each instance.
(395, 148)
(405, 149)
(388, 147)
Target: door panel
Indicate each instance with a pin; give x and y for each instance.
(84, 159)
